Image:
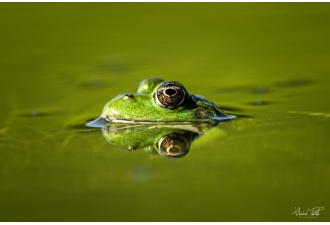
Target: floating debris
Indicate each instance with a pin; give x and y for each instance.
(299, 82)
(259, 102)
(260, 90)
(35, 113)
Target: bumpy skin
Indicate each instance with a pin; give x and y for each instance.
(141, 107)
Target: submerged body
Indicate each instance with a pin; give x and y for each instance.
(159, 101)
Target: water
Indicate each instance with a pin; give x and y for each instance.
(267, 63)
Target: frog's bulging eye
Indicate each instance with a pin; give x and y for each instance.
(170, 95)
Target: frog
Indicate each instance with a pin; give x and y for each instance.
(159, 101)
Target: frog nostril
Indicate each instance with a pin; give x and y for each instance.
(170, 92)
(128, 96)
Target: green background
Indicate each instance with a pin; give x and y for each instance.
(267, 62)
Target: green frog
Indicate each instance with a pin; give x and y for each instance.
(159, 101)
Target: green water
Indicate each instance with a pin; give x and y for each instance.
(267, 62)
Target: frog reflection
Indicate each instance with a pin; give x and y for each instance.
(172, 141)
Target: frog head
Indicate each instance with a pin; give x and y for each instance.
(157, 100)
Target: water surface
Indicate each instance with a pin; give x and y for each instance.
(267, 63)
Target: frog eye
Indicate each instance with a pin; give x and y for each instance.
(170, 95)
(173, 146)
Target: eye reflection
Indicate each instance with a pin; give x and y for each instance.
(173, 145)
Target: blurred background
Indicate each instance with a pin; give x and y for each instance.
(267, 62)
